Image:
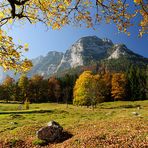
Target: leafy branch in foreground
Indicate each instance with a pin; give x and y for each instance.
(11, 54)
(58, 13)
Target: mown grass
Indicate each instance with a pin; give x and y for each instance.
(111, 117)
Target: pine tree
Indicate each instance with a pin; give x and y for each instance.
(136, 83)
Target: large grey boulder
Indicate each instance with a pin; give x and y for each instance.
(51, 132)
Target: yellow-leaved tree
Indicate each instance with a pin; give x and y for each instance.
(87, 90)
(58, 13)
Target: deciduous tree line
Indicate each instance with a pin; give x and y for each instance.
(37, 89)
(88, 89)
(91, 89)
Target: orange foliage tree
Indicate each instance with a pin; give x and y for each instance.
(118, 90)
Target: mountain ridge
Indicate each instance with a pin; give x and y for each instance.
(83, 52)
(87, 50)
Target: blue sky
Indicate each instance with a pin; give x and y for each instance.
(41, 40)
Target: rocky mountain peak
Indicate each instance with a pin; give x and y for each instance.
(83, 52)
(89, 40)
(86, 49)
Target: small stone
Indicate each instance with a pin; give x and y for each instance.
(135, 113)
(138, 107)
(13, 122)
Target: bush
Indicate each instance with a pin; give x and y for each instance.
(27, 104)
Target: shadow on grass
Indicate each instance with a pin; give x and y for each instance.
(64, 136)
(121, 106)
(16, 116)
(27, 112)
(34, 111)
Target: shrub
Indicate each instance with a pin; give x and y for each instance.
(27, 104)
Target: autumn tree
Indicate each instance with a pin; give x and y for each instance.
(8, 88)
(87, 90)
(118, 86)
(58, 13)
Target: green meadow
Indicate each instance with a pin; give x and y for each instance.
(113, 124)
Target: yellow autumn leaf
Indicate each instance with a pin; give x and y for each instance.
(26, 45)
(10, 21)
(1, 14)
(137, 1)
(55, 26)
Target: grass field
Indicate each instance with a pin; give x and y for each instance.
(111, 124)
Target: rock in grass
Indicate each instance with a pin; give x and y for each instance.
(13, 122)
(51, 132)
(135, 113)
